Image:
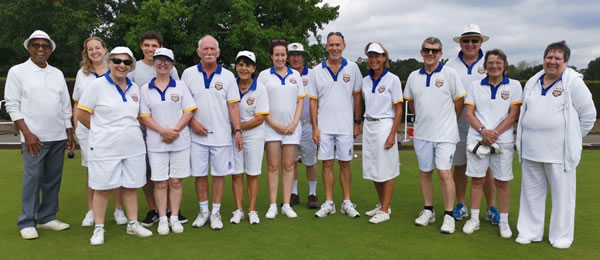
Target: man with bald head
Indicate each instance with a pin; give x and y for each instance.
(215, 91)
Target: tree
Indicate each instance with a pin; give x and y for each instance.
(593, 70)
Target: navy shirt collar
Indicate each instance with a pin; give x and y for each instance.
(334, 75)
(171, 84)
(252, 87)
(121, 92)
(470, 67)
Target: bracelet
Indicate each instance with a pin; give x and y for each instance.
(238, 130)
(358, 122)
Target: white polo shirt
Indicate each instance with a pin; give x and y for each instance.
(254, 102)
(115, 132)
(334, 93)
(468, 74)
(212, 93)
(143, 73)
(283, 93)
(166, 108)
(305, 74)
(492, 105)
(40, 97)
(82, 81)
(434, 97)
(381, 95)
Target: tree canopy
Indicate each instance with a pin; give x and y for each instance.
(593, 70)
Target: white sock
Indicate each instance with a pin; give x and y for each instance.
(504, 217)
(475, 214)
(286, 205)
(347, 201)
(329, 201)
(312, 187)
(174, 218)
(216, 208)
(295, 187)
(131, 223)
(204, 205)
(273, 205)
(163, 219)
(99, 226)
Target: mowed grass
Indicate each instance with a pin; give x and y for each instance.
(335, 236)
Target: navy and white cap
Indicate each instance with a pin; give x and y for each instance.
(121, 50)
(376, 48)
(248, 54)
(39, 34)
(471, 30)
(297, 48)
(164, 52)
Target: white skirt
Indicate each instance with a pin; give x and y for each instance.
(379, 164)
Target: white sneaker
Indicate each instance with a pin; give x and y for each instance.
(138, 230)
(448, 225)
(471, 226)
(561, 244)
(271, 213)
(54, 225)
(97, 237)
(350, 210)
(88, 220)
(505, 231)
(215, 221)
(372, 212)
(202, 218)
(326, 209)
(29, 233)
(253, 217)
(120, 217)
(425, 218)
(522, 240)
(379, 217)
(176, 226)
(289, 212)
(238, 215)
(163, 228)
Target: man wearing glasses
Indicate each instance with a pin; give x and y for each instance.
(469, 66)
(335, 113)
(436, 95)
(37, 100)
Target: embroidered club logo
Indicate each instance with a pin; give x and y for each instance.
(293, 80)
(381, 89)
(250, 101)
(219, 85)
(439, 83)
(305, 82)
(229, 165)
(557, 92)
(350, 152)
(294, 47)
(505, 94)
(481, 70)
(134, 97)
(175, 97)
(346, 77)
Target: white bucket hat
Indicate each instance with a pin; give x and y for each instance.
(248, 54)
(165, 52)
(297, 48)
(39, 34)
(120, 50)
(471, 30)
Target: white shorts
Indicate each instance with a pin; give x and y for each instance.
(220, 158)
(343, 145)
(110, 174)
(249, 159)
(379, 164)
(83, 147)
(166, 165)
(460, 155)
(271, 136)
(500, 164)
(307, 148)
(432, 155)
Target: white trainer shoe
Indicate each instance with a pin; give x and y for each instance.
(288, 212)
(29, 233)
(561, 244)
(238, 215)
(202, 218)
(176, 226)
(471, 226)
(326, 209)
(372, 212)
(215, 221)
(425, 218)
(379, 217)
(448, 225)
(505, 231)
(253, 217)
(271, 213)
(88, 220)
(120, 217)
(138, 230)
(349, 209)
(163, 228)
(54, 225)
(97, 237)
(522, 240)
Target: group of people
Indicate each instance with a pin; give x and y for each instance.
(139, 125)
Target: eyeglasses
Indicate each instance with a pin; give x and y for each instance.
(434, 51)
(163, 61)
(473, 41)
(118, 61)
(36, 46)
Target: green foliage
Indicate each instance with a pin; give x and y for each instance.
(593, 70)
(523, 70)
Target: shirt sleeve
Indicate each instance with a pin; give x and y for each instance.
(358, 80)
(78, 85)
(581, 98)
(470, 98)
(187, 101)
(262, 101)
(145, 110)
(300, 86)
(458, 90)
(233, 93)
(65, 101)
(89, 97)
(396, 91)
(311, 90)
(408, 95)
(12, 94)
(517, 95)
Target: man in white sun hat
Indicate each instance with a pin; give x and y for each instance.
(37, 100)
(469, 64)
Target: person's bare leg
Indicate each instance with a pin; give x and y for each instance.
(237, 185)
(202, 188)
(160, 195)
(345, 178)
(503, 195)
(130, 202)
(149, 192)
(387, 192)
(489, 189)
(273, 150)
(99, 203)
(288, 157)
(426, 184)
(118, 198)
(252, 182)
(218, 184)
(476, 192)
(460, 183)
(175, 194)
(447, 187)
(328, 179)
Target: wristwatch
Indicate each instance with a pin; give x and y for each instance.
(481, 129)
(238, 130)
(357, 122)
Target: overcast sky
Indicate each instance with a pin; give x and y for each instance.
(521, 28)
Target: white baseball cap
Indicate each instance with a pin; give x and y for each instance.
(248, 54)
(164, 52)
(471, 30)
(121, 50)
(375, 47)
(297, 48)
(39, 34)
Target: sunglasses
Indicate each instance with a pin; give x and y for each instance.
(335, 33)
(434, 51)
(36, 46)
(161, 61)
(473, 41)
(118, 61)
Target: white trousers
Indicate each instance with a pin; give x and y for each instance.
(535, 179)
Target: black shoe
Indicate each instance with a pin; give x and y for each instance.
(181, 218)
(294, 199)
(313, 202)
(150, 219)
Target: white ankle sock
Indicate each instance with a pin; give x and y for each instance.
(216, 208)
(295, 187)
(504, 217)
(475, 214)
(312, 188)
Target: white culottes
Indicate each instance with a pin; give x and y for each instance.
(219, 157)
(500, 164)
(83, 148)
(307, 148)
(272, 135)
(341, 145)
(249, 159)
(110, 174)
(536, 177)
(432, 155)
(379, 164)
(166, 165)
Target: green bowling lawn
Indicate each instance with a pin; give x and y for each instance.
(335, 236)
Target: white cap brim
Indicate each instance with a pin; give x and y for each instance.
(375, 47)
